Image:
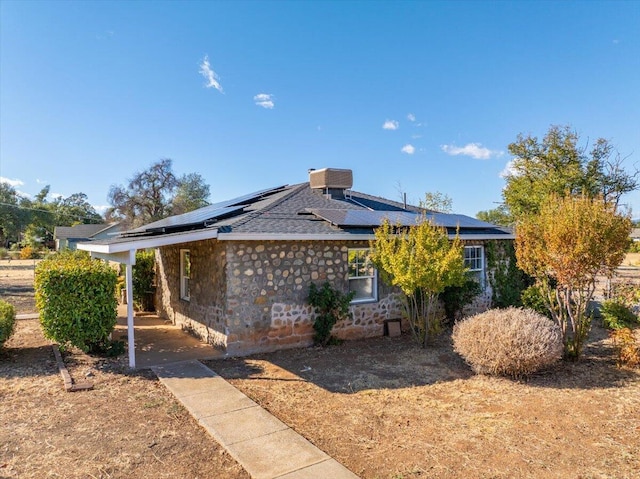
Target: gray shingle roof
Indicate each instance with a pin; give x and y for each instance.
(78, 231)
(289, 210)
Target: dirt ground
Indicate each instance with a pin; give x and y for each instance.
(382, 407)
(128, 426)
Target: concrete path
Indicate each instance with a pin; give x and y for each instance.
(266, 447)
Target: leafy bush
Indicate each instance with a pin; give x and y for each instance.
(331, 306)
(28, 252)
(634, 247)
(626, 347)
(76, 299)
(4, 253)
(532, 299)
(507, 281)
(617, 315)
(625, 292)
(144, 275)
(512, 342)
(455, 298)
(7, 321)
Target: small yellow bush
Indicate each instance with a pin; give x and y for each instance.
(626, 347)
(511, 342)
(28, 253)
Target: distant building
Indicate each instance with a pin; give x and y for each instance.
(67, 237)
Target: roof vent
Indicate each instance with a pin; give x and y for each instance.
(331, 178)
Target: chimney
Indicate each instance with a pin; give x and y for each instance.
(331, 181)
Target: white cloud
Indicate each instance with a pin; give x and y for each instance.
(390, 125)
(409, 149)
(509, 170)
(411, 117)
(265, 100)
(209, 75)
(474, 150)
(100, 208)
(11, 182)
(55, 196)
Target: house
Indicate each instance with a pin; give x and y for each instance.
(67, 237)
(237, 273)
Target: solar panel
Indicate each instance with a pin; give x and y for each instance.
(208, 213)
(366, 218)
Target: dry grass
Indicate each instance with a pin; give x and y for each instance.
(128, 426)
(388, 409)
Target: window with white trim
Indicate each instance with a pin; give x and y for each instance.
(362, 276)
(474, 260)
(185, 274)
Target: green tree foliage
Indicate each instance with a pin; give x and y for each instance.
(156, 193)
(7, 321)
(564, 247)
(498, 216)
(144, 275)
(192, 193)
(557, 165)
(422, 262)
(12, 217)
(76, 299)
(436, 201)
(331, 306)
(507, 280)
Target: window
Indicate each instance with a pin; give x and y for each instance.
(362, 276)
(185, 274)
(474, 260)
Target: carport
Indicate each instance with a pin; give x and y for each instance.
(123, 250)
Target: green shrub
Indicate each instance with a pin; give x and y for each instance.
(331, 306)
(76, 299)
(144, 275)
(511, 342)
(617, 315)
(532, 299)
(4, 253)
(7, 321)
(634, 247)
(455, 298)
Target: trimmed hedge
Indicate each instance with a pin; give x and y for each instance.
(7, 321)
(511, 342)
(76, 299)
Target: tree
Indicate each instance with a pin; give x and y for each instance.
(192, 193)
(75, 209)
(557, 165)
(437, 201)
(151, 194)
(422, 262)
(564, 247)
(12, 217)
(497, 216)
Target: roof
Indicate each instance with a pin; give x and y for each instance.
(292, 212)
(80, 232)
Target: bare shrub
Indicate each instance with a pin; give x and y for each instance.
(511, 342)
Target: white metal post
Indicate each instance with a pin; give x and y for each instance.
(130, 328)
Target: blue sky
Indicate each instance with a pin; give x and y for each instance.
(412, 96)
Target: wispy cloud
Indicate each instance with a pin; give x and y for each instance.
(411, 117)
(474, 150)
(409, 149)
(209, 75)
(390, 125)
(265, 100)
(11, 182)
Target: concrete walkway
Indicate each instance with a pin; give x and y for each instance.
(266, 447)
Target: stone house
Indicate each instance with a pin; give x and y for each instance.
(237, 273)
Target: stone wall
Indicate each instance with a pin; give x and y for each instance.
(204, 312)
(249, 296)
(268, 286)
